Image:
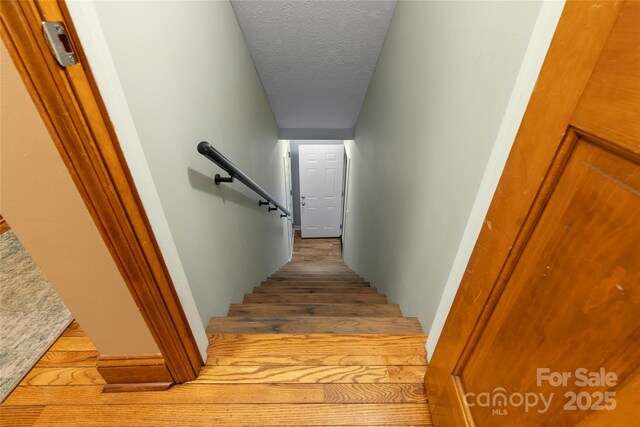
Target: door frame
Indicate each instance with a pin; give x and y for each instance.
(345, 199)
(77, 120)
(576, 46)
(288, 189)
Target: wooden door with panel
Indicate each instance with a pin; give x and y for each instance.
(555, 339)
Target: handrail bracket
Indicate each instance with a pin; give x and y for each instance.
(218, 179)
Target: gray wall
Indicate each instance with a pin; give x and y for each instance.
(423, 139)
(295, 172)
(194, 80)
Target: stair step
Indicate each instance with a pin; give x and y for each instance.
(309, 283)
(317, 278)
(314, 290)
(414, 358)
(321, 270)
(282, 310)
(315, 271)
(310, 374)
(334, 261)
(315, 345)
(330, 276)
(308, 267)
(316, 298)
(314, 325)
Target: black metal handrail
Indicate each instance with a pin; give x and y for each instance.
(216, 157)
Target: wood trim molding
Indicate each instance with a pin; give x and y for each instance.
(4, 227)
(73, 111)
(576, 46)
(144, 372)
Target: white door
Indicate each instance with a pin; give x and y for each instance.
(321, 168)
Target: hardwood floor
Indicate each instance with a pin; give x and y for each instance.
(318, 354)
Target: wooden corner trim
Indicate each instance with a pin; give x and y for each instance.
(73, 111)
(132, 388)
(140, 372)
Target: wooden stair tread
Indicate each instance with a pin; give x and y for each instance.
(275, 309)
(303, 359)
(310, 374)
(315, 290)
(309, 270)
(319, 271)
(311, 283)
(315, 273)
(317, 298)
(308, 266)
(315, 325)
(315, 277)
(319, 345)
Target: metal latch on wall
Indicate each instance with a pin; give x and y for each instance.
(59, 43)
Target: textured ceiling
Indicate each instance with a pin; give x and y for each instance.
(315, 59)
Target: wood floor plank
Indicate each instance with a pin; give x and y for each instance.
(74, 330)
(63, 376)
(314, 325)
(310, 374)
(316, 298)
(407, 374)
(67, 358)
(221, 393)
(251, 345)
(237, 414)
(375, 393)
(281, 310)
(189, 393)
(73, 344)
(315, 290)
(18, 416)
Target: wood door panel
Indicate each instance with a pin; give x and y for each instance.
(553, 280)
(578, 40)
(610, 105)
(573, 297)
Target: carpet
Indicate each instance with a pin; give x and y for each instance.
(32, 316)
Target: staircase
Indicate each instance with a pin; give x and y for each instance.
(316, 293)
(316, 322)
(315, 298)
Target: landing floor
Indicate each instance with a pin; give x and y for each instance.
(250, 378)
